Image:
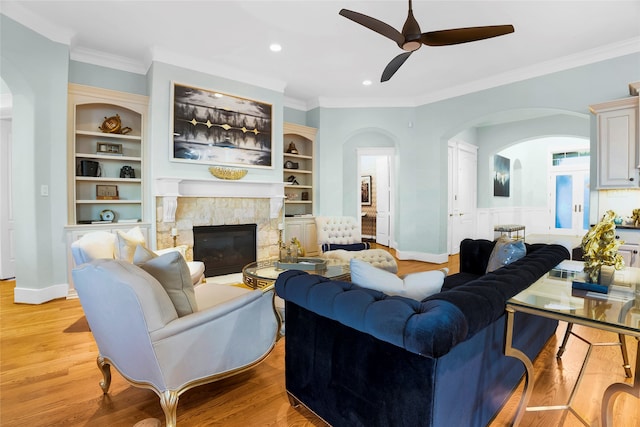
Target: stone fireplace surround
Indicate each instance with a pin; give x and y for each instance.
(183, 203)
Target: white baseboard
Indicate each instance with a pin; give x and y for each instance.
(39, 296)
(422, 256)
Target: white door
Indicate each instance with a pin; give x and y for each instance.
(383, 202)
(462, 180)
(7, 226)
(570, 201)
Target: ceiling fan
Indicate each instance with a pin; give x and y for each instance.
(411, 39)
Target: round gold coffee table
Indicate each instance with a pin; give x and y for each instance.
(262, 274)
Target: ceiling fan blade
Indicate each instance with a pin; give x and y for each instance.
(464, 35)
(393, 66)
(373, 24)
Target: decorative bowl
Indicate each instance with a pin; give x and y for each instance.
(227, 173)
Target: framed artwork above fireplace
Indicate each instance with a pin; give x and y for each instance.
(215, 128)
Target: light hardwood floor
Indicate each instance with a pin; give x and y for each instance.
(48, 377)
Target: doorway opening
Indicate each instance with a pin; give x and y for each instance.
(376, 174)
(569, 190)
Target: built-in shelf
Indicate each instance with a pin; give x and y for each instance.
(90, 167)
(298, 166)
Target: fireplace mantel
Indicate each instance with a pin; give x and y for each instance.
(170, 188)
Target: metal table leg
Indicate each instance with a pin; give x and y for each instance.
(528, 366)
(610, 394)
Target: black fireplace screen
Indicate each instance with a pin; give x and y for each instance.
(224, 249)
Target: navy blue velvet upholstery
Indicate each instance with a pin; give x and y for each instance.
(349, 247)
(359, 357)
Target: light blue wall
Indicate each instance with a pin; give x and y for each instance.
(292, 115)
(340, 133)
(107, 78)
(422, 172)
(36, 71)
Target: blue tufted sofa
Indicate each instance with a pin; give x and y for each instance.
(358, 357)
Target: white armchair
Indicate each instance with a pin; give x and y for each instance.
(339, 238)
(138, 331)
(105, 245)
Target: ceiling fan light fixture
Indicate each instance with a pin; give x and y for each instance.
(411, 45)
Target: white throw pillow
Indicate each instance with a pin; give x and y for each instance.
(127, 243)
(182, 249)
(143, 254)
(417, 286)
(94, 245)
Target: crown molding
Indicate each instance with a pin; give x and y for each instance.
(296, 104)
(591, 56)
(15, 11)
(603, 53)
(108, 60)
(213, 68)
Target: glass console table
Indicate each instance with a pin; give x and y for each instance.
(553, 297)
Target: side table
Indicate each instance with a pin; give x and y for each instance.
(552, 297)
(508, 229)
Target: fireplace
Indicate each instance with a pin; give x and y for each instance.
(224, 249)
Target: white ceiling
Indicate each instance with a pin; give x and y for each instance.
(325, 57)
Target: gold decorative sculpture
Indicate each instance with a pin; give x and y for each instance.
(600, 248)
(228, 173)
(635, 217)
(296, 242)
(113, 124)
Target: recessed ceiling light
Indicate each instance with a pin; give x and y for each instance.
(367, 82)
(218, 95)
(275, 47)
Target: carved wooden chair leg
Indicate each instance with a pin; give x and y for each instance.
(169, 403)
(105, 368)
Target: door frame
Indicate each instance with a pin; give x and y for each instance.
(7, 223)
(390, 153)
(455, 145)
(553, 171)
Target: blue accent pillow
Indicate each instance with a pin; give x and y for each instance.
(350, 247)
(505, 252)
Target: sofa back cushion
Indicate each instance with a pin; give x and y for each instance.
(341, 230)
(474, 255)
